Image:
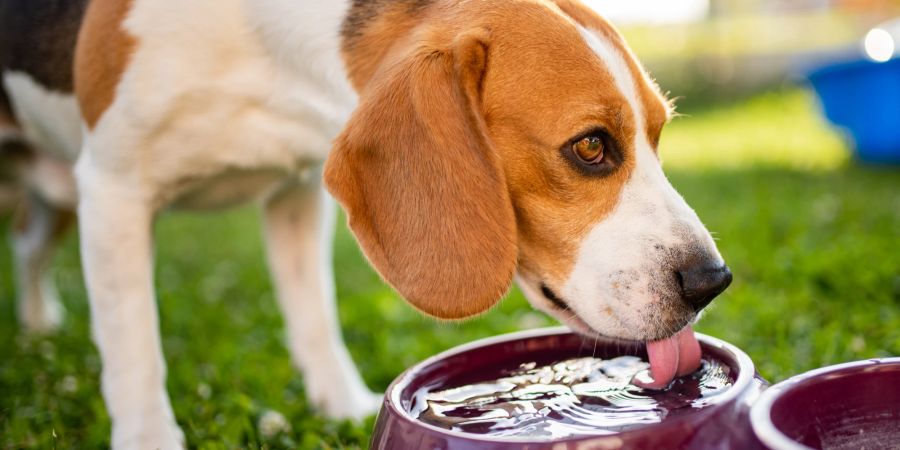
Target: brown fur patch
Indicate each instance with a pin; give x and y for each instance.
(422, 185)
(101, 56)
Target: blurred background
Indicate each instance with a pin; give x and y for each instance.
(810, 228)
(714, 50)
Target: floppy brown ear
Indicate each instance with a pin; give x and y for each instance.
(422, 187)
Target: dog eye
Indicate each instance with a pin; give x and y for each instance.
(589, 149)
(593, 153)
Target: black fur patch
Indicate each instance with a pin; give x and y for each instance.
(362, 12)
(38, 37)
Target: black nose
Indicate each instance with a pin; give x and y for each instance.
(700, 284)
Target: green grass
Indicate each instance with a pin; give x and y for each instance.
(811, 237)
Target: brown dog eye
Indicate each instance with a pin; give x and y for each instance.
(589, 149)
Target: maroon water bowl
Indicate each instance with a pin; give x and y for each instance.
(722, 424)
(848, 406)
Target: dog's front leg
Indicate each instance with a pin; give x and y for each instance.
(115, 220)
(299, 226)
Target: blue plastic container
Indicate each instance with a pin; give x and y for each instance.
(863, 98)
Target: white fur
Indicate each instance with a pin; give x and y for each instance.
(35, 107)
(53, 180)
(222, 101)
(115, 220)
(621, 283)
(49, 121)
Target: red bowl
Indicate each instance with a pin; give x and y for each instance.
(847, 406)
(721, 424)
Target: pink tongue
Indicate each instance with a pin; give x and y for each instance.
(677, 355)
(688, 352)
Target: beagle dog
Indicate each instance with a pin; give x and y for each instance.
(470, 142)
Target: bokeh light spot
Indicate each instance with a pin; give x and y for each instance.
(879, 45)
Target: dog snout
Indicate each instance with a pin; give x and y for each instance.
(701, 283)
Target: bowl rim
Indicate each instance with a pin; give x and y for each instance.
(761, 412)
(392, 395)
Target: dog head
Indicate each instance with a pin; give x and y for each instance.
(506, 138)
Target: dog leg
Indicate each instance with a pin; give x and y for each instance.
(35, 235)
(115, 222)
(299, 224)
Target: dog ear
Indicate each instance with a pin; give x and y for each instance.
(421, 184)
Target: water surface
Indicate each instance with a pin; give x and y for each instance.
(578, 396)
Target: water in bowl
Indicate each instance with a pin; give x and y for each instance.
(575, 397)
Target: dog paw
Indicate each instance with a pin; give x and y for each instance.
(148, 434)
(356, 407)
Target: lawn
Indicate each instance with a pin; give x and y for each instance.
(812, 239)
